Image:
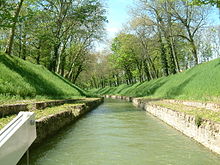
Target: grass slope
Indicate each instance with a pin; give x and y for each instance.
(20, 79)
(199, 83)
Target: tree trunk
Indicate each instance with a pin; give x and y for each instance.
(163, 56)
(62, 66)
(194, 51)
(169, 35)
(175, 54)
(146, 69)
(38, 59)
(139, 67)
(171, 57)
(12, 33)
(79, 70)
(54, 56)
(59, 58)
(24, 47)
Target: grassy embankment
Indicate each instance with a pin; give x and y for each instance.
(201, 83)
(22, 80)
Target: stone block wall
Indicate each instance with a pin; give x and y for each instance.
(49, 125)
(12, 109)
(207, 133)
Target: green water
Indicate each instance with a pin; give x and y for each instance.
(117, 133)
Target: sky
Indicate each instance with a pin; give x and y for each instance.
(118, 14)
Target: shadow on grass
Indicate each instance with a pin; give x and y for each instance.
(123, 88)
(72, 85)
(149, 89)
(178, 90)
(106, 91)
(42, 86)
(217, 65)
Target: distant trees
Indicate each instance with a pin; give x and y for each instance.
(212, 2)
(125, 55)
(162, 38)
(192, 19)
(55, 33)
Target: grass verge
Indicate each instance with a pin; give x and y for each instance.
(199, 113)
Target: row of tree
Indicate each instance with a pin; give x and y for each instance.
(58, 34)
(163, 37)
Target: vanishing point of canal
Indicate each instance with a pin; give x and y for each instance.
(117, 133)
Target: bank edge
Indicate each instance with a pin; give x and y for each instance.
(207, 133)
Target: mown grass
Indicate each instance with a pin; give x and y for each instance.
(199, 113)
(20, 80)
(199, 83)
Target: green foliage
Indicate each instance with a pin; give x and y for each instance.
(124, 47)
(21, 79)
(201, 2)
(6, 13)
(198, 83)
(127, 55)
(4, 121)
(198, 120)
(43, 31)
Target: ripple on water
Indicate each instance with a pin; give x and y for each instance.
(116, 133)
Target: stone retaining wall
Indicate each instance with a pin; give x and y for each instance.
(13, 109)
(127, 98)
(207, 132)
(49, 125)
(210, 106)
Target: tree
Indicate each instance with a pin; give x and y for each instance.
(154, 7)
(58, 34)
(201, 2)
(193, 19)
(6, 16)
(124, 55)
(13, 27)
(86, 14)
(143, 28)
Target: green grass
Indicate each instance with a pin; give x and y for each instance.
(199, 83)
(48, 111)
(20, 80)
(4, 121)
(52, 110)
(39, 113)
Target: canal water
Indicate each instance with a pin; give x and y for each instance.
(117, 133)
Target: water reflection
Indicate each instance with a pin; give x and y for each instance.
(116, 133)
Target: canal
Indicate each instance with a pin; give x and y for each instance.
(117, 133)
